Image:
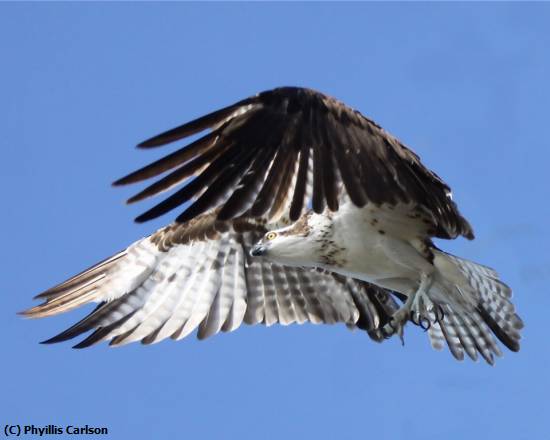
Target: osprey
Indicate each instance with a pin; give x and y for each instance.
(301, 209)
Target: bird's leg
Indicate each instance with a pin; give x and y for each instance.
(397, 321)
(412, 309)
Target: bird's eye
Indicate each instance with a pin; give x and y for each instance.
(271, 235)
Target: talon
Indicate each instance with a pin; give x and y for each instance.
(413, 317)
(392, 327)
(424, 323)
(442, 313)
(439, 313)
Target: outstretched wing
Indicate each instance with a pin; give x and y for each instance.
(266, 151)
(199, 275)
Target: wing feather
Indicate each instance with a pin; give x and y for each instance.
(283, 296)
(267, 194)
(280, 130)
(239, 304)
(196, 155)
(299, 194)
(249, 187)
(221, 306)
(199, 275)
(199, 124)
(319, 167)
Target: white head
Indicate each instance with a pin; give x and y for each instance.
(295, 245)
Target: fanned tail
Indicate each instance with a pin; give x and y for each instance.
(475, 305)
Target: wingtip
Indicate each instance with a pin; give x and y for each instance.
(122, 181)
(127, 180)
(162, 139)
(468, 230)
(33, 312)
(48, 341)
(43, 295)
(142, 218)
(132, 200)
(139, 197)
(151, 214)
(149, 143)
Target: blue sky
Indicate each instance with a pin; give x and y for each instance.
(465, 85)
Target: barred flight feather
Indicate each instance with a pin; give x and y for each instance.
(192, 276)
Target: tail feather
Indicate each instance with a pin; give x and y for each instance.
(450, 334)
(509, 336)
(477, 306)
(466, 340)
(494, 305)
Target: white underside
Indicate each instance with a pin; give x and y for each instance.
(388, 259)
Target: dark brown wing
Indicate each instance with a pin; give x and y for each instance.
(199, 275)
(263, 153)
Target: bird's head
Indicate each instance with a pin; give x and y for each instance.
(294, 245)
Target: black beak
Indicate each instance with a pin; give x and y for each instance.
(258, 250)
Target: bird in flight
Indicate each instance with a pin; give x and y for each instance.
(298, 209)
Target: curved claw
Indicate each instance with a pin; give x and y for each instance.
(413, 317)
(439, 313)
(424, 323)
(396, 326)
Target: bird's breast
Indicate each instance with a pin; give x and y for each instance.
(363, 248)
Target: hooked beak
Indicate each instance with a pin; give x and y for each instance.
(258, 250)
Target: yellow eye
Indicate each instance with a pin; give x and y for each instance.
(271, 235)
